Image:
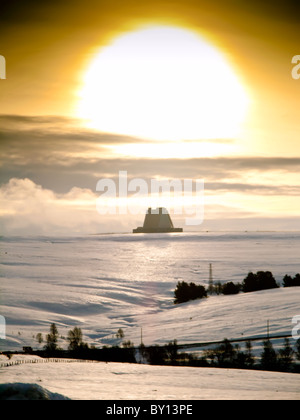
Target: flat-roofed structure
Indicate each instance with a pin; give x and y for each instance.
(156, 221)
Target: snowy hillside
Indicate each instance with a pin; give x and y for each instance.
(211, 319)
(101, 284)
(217, 317)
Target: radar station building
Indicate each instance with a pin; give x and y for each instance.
(157, 221)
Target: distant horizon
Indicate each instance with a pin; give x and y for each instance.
(137, 235)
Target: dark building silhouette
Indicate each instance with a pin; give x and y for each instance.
(156, 221)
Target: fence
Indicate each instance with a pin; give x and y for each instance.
(42, 360)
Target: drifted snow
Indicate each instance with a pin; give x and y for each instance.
(122, 381)
(20, 391)
(101, 284)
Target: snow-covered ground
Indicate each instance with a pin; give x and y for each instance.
(103, 283)
(122, 381)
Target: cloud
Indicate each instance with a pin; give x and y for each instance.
(38, 130)
(58, 154)
(254, 189)
(30, 209)
(50, 168)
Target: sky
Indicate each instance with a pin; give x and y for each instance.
(159, 90)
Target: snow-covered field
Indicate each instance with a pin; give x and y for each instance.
(122, 381)
(103, 283)
(106, 282)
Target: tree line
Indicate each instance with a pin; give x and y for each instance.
(227, 355)
(224, 355)
(253, 282)
(77, 348)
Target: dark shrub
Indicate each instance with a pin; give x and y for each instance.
(289, 281)
(185, 292)
(230, 288)
(259, 281)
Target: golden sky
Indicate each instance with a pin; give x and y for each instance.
(251, 175)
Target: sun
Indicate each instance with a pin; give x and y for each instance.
(162, 83)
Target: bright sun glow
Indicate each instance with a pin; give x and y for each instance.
(162, 83)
